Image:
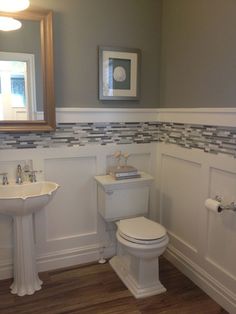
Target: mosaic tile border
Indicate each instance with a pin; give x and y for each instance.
(212, 139)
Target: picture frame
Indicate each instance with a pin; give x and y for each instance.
(119, 73)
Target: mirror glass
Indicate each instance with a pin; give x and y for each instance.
(26, 73)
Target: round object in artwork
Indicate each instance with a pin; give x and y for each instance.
(119, 74)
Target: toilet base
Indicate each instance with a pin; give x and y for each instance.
(138, 290)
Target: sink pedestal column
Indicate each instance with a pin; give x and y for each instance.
(26, 280)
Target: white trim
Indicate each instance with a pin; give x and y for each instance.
(71, 257)
(70, 115)
(62, 259)
(39, 115)
(207, 116)
(201, 278)
(68, 257)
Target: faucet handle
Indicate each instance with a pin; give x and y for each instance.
(4, 178)
(32, 175)
(18, 168)
(19, 178)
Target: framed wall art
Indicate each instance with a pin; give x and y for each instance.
(119, 73)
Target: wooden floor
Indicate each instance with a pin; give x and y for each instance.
(95, 289)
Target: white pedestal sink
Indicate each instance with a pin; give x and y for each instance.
(20, 201)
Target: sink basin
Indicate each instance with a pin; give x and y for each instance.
(20, 201)
(27, 198)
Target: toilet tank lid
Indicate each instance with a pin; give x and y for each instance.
(109, 183)
(141, 228)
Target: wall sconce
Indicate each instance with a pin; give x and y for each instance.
(8, 23)
(13, 5)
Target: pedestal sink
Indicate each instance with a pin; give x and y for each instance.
(20, 201)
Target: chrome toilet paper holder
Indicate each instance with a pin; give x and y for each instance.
(231, 206)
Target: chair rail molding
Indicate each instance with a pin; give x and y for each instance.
(208, 116)
(76, 115)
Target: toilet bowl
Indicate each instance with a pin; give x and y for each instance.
(140, 243)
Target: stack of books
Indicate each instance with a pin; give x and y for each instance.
(124, 172)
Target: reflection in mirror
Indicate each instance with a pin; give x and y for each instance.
(17, 87)
(26, 74)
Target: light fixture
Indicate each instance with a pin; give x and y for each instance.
(9, 24)
(13, 5)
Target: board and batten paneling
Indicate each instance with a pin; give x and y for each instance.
(69, 230)
(221, 232)
(180, 200)
(202, 242)
(74, 208)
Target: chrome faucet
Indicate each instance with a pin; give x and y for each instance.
(32, 176)
(19, 176)
(4, 178)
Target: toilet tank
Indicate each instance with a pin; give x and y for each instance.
(120, 199)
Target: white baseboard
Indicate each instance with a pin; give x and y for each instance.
(68, 257)
(201, 278)
(71, 257)
(207, 116)
(62, 259)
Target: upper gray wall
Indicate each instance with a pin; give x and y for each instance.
(80, 26)
(198, 53)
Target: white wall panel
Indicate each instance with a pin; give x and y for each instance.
(180, 199)
(222, 227)
(223, 183)
(73, 209)
(5, 231)
(202, 242)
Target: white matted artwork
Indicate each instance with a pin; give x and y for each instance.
(119, 73)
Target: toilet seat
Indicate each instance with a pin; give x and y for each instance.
(141, 230)
(138, 241)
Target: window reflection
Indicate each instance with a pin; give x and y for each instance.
(17, 92)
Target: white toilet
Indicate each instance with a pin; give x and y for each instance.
(140, 240)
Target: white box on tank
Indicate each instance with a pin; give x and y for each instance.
(120, 199)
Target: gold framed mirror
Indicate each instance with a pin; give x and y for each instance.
(26, 74)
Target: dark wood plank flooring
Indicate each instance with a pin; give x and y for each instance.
(96, 289)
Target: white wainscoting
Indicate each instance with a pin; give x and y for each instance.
(69, 231)
(202, 242)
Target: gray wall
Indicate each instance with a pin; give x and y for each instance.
(198, 49)
(80, 26)
(198, 53)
